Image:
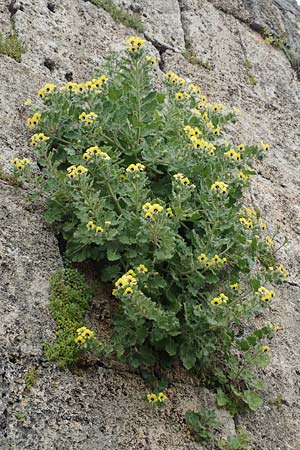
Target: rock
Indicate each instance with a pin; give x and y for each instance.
(104, 408)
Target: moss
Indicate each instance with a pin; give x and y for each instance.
(120, 15)
(70, 299)
(190, 55)
(12, 46)
(31, 378)
(9, 178)
(252, 78)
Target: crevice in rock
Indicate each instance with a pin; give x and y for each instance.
(182, 8)
(50, 64)
(51, 6)
(162, 48)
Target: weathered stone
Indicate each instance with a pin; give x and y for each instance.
(104, 408)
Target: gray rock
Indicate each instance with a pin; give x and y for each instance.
(104, 408)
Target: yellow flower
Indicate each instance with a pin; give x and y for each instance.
(242, 176)
(185, 181)
(223, 297)
(121, 282)
(148, 216)
(169, 75)
(217, 130)
(216, 301)
(169, 213)
(130, 272)
(151, 59)
(156, 208)
(241, 147)
(269, 241)
(70, 86)
(231, 153)
(178, 176)
(79, 340)
(27, 102)
(81, 169)
(99, 230)
(202, 257)
(152, 398)
(234, 286)
(140, 167)
(265, 147)
(142, 268)
(80, 87)
(265, 348)
(82, 116)
(217, 260)
(128, 291)
(86, 156)
(162, 397)
(219, 186)
(262, 225)
(132, 168)
(88, 334)
(90, 225)
(280, 269)
(135, 43)
(81, 330)
(276, 328)
(105, 156)
(179, 96)
(147, 206)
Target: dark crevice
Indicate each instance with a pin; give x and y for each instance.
(162, 48)
(50, 64)
(61, 245)
(15, 6)
(69, 76)
(51, 6)
(182, 8)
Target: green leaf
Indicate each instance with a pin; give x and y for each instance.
(112, 254)
(222, 399)
(252, 399)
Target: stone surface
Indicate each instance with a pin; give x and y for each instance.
(103, 407)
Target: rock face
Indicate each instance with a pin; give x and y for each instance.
(103, 408)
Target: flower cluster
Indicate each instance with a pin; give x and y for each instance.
(47, 89)
(135, 168)
(159, 398)
(265, 294)
(135, 43)
(91, 226)
(269, 241)
(282, 270)
(182, 95)
(88, 118)
(194, 88)
(37, 139)
(95, 84)
(151, 209)
(151, 59)
(83, 334)
(74, 171)
(174, 79)
(215, 260)
(34, 120)
(182, 179)
(20, 163)
(219, 186)
(222, 298)
(95, 151)
(231, 153)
